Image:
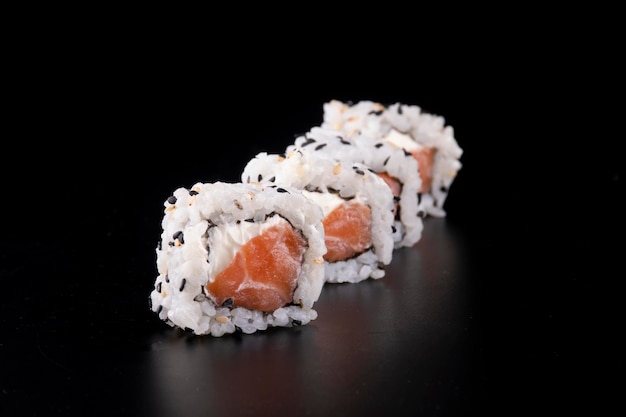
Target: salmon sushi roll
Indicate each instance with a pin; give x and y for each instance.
(238, 257)
(426, 136)
(357, 207)
(395, 166)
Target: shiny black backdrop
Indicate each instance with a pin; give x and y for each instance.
(99, 144)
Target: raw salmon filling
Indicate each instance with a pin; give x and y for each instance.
(425, 157)
(264, 273)
(347, 231)
(395, 186)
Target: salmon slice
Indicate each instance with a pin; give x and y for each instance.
(395, 187)
(425, 157)
(347, 231)
(264, 273)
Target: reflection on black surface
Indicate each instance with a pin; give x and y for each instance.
(399, 344)
(406, 344)
(254, 374)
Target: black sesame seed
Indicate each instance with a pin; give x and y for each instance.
(378, 145)
(249, 220)
(443, 189)
(182, 284)
(359, 171)
(308, 141)
(386, 160)
(318, 147)
(399, 109)
(179, 235)
(407, 153)
(199, 298)
(193, 192)
(393, 229)
(259, 178)
(158, 287)
(167, 278)
(172, 200)
(343, 141)
(281, 190)
(248, 179)
(238, 204)
(272, 179)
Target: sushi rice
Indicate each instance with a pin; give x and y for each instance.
(204, 227)
(382, 158)
(328, 183)
(408, 127)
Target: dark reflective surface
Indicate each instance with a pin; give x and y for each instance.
(403, 344)
(482, 316)
(392, 345)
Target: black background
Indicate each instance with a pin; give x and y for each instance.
(102, 132)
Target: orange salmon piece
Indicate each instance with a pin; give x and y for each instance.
(394, 185)
(347, 231)
(263, 274)
(425, 157)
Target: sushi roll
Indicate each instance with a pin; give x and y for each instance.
(238, 257)
(394, 165)
(424, 135)
(357, 205)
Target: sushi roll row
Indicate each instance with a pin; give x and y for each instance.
(331, 208)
